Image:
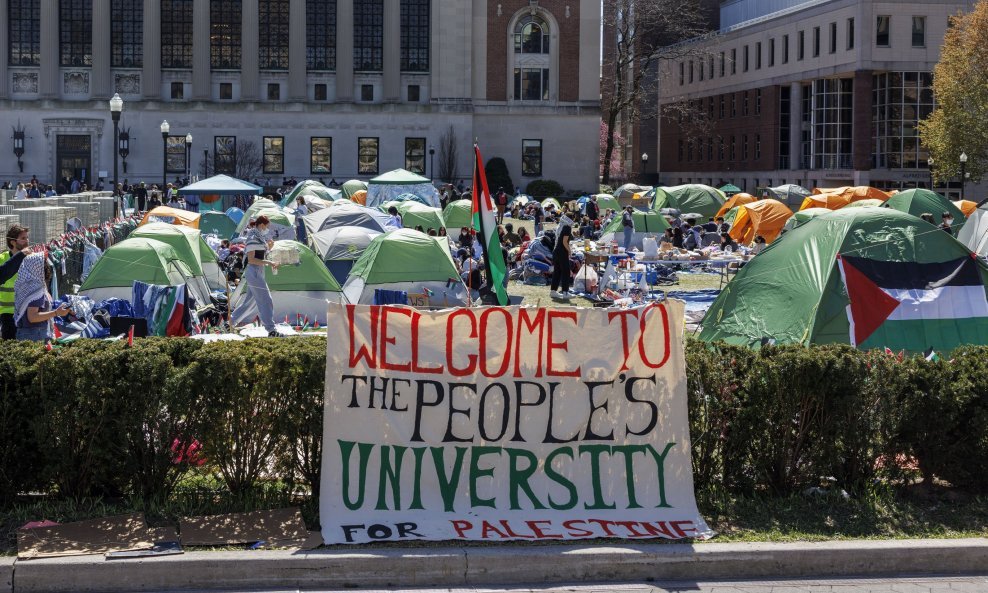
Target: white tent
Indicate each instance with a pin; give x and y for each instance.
(974, 233)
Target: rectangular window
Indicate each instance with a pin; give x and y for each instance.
(710, 107)
(272, 47)
(710, 149)
(816, 42)
(850, 33)
(722, 60)
(771, 52)
(532, 84)
(680, 150)
(414, 93)
(734, 105)
(758, 101)
(882, 29)
(833, 38)
(758, 147)
(758, 56)
(320, 35)
(919, 31)
(734, 61)
(744, 147)
(75, 25)
(711, 64)
(25, 32)
(801, 45)
(176, 33)
(415, 155)
(366, 92)
(224, 34)
(744, 103)
(321, 155)
(178, 90)
(785, 49)
(415, 35)
(368, 36)
(175, 154)
(226, 91)
(701, 70)
(722, 106)
(531, 158)
(274, 91)
(319, 92)
(225, 154)
(127, 34)
(274, 154)
(720, 148)
(734, 150)
(682, 73)
(745, 58)
(367, 156)
(691, 71)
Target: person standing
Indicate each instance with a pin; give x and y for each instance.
(300, 210)
(21, 193)
(18, 240)
(256, 246)
(560, 263)
(502, 204)
(141, 195)
(33, 313)
(628, 225)
(395, 219)
(593, 208)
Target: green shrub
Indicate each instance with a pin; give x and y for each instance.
(544, 188)
(498, 176)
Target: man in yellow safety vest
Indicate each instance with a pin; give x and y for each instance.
(18, 241)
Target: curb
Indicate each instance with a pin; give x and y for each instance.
(460, 567)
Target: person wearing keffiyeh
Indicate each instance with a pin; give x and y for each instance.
(33, 314)
(257, 286)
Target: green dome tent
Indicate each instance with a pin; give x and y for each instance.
(300, 290)
(340, 247)
(351, 187)
(415, 215)
(795, 292)
(458, 214)
(870, 203)
(702, 199)
(191, 249)
(217, 223)
(347, 215)
(920, 201)
(646, 224)
(409, 261)
(251, 213)
(392, 184)
(143, 259)
(729, 189)
(802, 217)
(310, 188)
(552, 202)
(282, 225)
(605, 201)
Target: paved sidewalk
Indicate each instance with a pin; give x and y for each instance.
(505, 566)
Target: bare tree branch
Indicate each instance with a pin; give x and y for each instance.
(447, 155)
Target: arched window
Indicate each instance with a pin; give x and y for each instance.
(531, 36)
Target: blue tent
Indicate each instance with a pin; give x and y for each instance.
(236, 214)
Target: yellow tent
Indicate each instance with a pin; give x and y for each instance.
(966, 206)
(764, 217)
(735, 200)
(172, 216)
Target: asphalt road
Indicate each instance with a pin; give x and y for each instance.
(899, 584)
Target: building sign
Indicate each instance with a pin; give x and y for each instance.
(507, 423)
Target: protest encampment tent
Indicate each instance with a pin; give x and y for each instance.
(974, 234)
(392, 184)
(763, 217)
(347, 215)
(410, 261)
(628, 191)
(207, 193)
(297, 291)
(251, 212)
(458, 214)
(146, 260)
(966, 206)
(172, 216)
(553, 202)
(340, 247)
(869, 203)
(738, 199)
(313, 188)
(693, 197)
(922, 201)
(351, 187)
(804, 216)
(520, 199)
(414, 215)
(912, 287)
(789, 193)
(729, 189)
(217, 223)
(191, 249)
(646, 224)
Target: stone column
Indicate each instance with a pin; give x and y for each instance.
(4, 56)
(392, 51)
(102, 78)
(795, 125)
(297, 68)
(862, 116)
(249, 75)
(201, 78)
(49, 83)
(151, 74)
(344, 51)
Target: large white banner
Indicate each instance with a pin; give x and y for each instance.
(506, 423)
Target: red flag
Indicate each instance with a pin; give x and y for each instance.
(130, 337)
(48, 346)
(58, 334)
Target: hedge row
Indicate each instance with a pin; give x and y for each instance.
(102, 419)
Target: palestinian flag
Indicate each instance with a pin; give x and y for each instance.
(910, 301)
(485, 223)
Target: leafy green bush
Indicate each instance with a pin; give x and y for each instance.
(498, 176)
(544, 188)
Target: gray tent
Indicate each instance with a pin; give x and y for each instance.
(347, 215)
(341, 246)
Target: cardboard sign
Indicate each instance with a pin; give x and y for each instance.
(95, 536)
(506, 423)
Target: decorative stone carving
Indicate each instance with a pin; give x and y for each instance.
(25, 82)
(76, 83)
(127, 84)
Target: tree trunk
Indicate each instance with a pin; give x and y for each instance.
(609, 147)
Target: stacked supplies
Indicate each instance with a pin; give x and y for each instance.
(87, 212)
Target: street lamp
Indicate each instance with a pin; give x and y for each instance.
(929, 165)
(164, 158)
(205, 162)
(123, 147)
(116, 107)
(188, 157)
(19, 146)
(963, 172)
(432, 153)
(644, 164)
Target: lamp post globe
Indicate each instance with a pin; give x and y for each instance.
(963, 160)
(116, 107)
(644, 164)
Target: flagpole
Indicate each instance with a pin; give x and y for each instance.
(480, 218)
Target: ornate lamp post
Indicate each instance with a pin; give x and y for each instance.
(164, 158)
(432, 153)
(188, 156)
(644, 164)
(929, 164)
(19, 146)
(963, 172)
(116, 108)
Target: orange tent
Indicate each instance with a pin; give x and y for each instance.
(764, 217)
(861, 192)
(828, 201)
(172, 216)
(735, 200)
(966, 206)
(359, 197)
